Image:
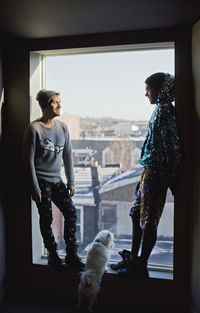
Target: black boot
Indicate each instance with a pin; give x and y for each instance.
(122, 264)
(73, 260)
(135, 270)
(119, 265)
(55, 262)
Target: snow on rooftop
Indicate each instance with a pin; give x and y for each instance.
(125, 175)
(126, 178)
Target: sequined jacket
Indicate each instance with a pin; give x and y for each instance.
(162, 147)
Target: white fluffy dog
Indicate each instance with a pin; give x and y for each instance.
(96, 261)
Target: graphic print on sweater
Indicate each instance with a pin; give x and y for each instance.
(47, 144)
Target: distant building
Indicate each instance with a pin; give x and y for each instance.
(117, 195)
(82, 156)
(108, 127)
(109, 151)
(116, 198)
(125, 129)
(73, 124)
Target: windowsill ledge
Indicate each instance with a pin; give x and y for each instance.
(154, 272)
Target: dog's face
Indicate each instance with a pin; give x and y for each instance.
(105, 237)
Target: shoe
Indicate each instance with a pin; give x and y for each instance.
(55, 262)
(119, 265)
(124, 253)
(74, 261)
(137, 270)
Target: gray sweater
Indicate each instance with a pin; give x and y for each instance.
(45, 150)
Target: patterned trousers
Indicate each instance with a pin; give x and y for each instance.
(150, 198)
(57, 193)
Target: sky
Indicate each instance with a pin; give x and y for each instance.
(109, 84)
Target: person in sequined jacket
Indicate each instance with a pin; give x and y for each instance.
(161, 157)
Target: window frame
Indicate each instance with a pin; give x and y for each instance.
(41, 54)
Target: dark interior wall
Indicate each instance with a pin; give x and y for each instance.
(33, 280)
(195, 229)
(15, 119)
(2, 239)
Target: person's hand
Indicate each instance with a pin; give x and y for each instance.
(70, 190)
(38, 198)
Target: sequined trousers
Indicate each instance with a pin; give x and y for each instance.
(57, 193)
(151, 196)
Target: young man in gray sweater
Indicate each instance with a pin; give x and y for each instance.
(46, 148)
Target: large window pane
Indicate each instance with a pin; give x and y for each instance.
(104, 106)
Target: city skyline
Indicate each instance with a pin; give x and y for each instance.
(109, 85)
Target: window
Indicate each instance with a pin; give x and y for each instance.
(104, 106)
(107, 156)
(108, 217)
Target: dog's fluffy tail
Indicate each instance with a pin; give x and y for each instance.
(86, 279)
